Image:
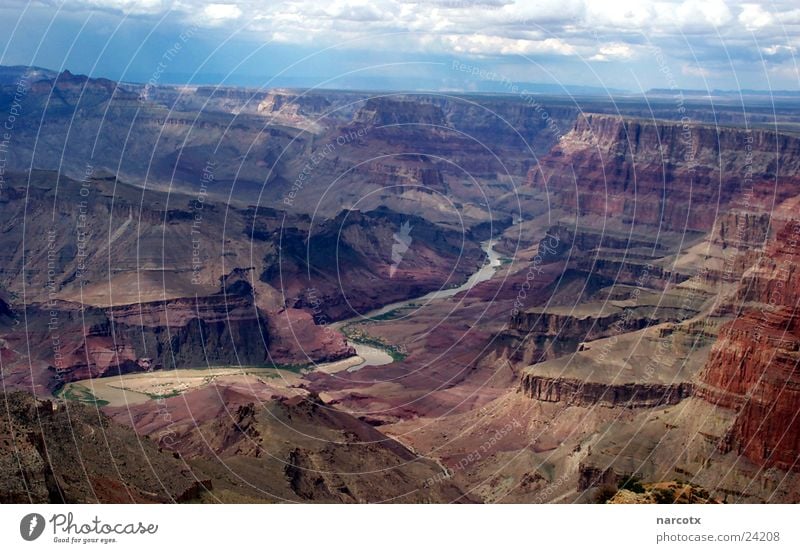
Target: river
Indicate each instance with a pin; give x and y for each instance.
(376, 356)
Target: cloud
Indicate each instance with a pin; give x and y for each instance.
(354, 11)
(570, 21)
(128, 7)
(220, 13)
(620, 15)
(754, 17)
(617, 51)
(494, 45)
(606, 32)
(777, 49)
(706, 14)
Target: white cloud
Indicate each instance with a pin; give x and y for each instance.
(354, 11)
(616, 51)
(608, 31)
(542, 12)
(621, 15)
(754, 17)
(776, 49)
(218, 13)
(494, 45)
(704, 12)
(130, 7)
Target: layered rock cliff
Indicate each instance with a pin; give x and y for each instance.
(629, 395)
(753, 368)
(222, 329)
(661, 173)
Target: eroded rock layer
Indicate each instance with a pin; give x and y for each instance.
(753, 368)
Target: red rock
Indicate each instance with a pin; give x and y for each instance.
(753, 367)
(664, 173)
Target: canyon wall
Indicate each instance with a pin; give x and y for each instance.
(665, 174)
(753, 368)
(629, 395)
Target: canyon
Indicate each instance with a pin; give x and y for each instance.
(637, 318)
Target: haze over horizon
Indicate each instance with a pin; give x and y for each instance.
(469, 46)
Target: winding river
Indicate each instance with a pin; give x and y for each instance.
(375, 356)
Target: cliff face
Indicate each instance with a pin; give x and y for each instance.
(541, 334)
(69, 342)
(578, 392)
(535, 336)
(741, 229)
(665, 173)
(400, 110)
(496, 123)
(468, 144)
(753, 367)
(289, 103)
(405, 173)
(222, 329)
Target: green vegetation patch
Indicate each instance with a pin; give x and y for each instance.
(389, 315)
(631, 483)
(82, 394)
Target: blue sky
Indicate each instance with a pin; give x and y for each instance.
(410, 44)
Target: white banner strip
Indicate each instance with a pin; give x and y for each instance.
(401, 528)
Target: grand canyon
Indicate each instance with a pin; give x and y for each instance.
(230, 294)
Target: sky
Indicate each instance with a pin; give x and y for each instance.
(465, 45)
